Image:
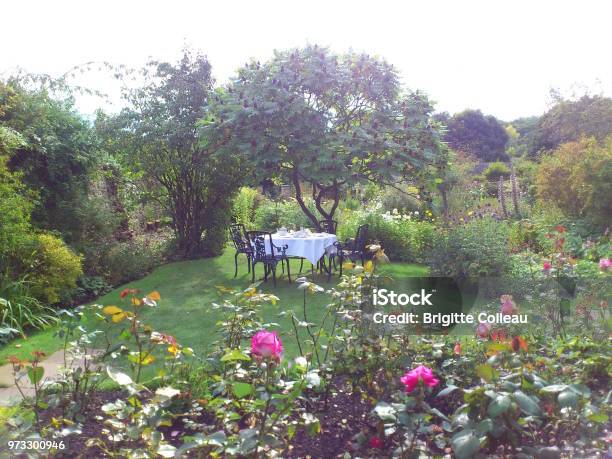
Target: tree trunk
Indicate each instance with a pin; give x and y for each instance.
(295, 177)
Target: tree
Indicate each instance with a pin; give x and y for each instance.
(15, 201)
(312, 117)
(568, 120)
(56, 156)
(577, 178)
(482, 136)
(197, 183)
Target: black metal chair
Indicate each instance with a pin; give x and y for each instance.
(269, 257)
(328, 226)
(241, 244)
(352, 249)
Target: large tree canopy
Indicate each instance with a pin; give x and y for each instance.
(332, 121)
(196, 183)
(568, 120)
(57, 153)
(482, 136)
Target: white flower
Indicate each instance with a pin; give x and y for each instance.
(313, 379)
(301, 362)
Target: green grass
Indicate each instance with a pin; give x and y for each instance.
(188, 290)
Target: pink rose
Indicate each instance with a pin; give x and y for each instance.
(457, 348)
(605, 264)
(420, 374)
(483, 330)
(266, 344)
(547, 266)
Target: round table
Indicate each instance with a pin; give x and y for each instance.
(311, 247)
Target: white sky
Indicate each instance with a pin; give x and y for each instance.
(500, 56)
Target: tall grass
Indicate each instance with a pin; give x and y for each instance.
(20, 311)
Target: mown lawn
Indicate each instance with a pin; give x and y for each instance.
(189, 288)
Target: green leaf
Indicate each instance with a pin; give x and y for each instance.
(484, 426)
(35, 374)
(487, 372)
(564, 307)
(568, 398)
(527, 404)
(385, 412)
(166, 450)
(120, 378)
(465, 444)
(581, 390)
(554, 388)
(499, 405)
(447, 390)
(242, 389)
(235, 354)
(600, 418)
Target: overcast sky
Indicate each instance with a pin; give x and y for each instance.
(500, 56)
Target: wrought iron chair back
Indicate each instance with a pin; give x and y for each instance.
(239, 238)
(328, 226)
(265, 252)
(361, 237)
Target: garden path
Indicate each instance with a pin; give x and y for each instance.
(9, 394)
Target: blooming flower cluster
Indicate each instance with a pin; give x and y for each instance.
(420, 374)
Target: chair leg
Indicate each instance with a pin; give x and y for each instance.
(235, 265)
(249, 263)
(301, 265)
(288, 271)
(273, 268)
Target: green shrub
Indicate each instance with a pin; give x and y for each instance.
(15, 207)
(53, 270)
(477, 249)
(130, 260)
(19, 310)
(403, 202)
(244, 206)
(577, 178)
(271, 215)
(89, 287)
(402, 238)
(496, 170)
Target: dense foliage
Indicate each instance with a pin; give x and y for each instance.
(482, 136)
(577, 177)
(327, 121)
(568, 120)
(197, 183)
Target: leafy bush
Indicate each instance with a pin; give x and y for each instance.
(54, 268)
(15, 208)
(477, 249)
(89, 287)
(19, 310)
(577, 178)
(130, 260)
(244, 206)
(497, 170)
(403, 202)
(403, 237)
(271, 215)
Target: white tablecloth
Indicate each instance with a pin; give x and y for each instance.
(312, 247)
